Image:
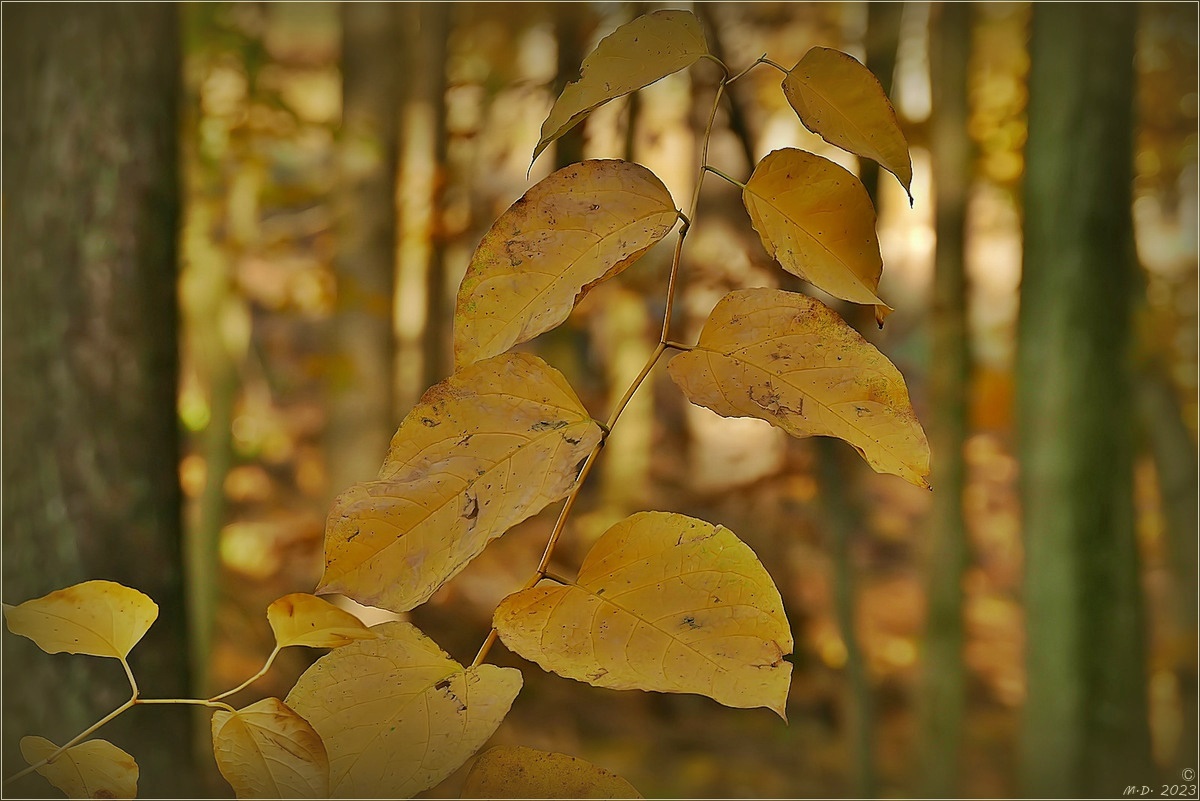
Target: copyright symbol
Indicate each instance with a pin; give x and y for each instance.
(1188, 774)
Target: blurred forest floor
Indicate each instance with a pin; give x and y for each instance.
(259, 287)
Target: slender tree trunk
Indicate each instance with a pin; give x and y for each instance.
(90, 439)
(1174, 452)
(837, 466)
(944, 682)
(571, 31)
(1085, 730)
(843, 519)
(361, 410)
(883, 44)
(432, 46)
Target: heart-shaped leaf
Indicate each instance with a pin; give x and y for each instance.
(482, 451)
(98, 618)
(816, 220)
(584, 224)
(636, 54)
(303, 619)
(663, 602)
(839, 99)
(91, 769)
(266, 750)
(396, 714)
(519, 772)
(789, 359)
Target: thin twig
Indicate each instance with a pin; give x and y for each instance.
(77, 738)
(663, 343)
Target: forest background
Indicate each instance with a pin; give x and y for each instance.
(233, 234)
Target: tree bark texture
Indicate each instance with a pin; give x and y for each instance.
(1084, 730)
(361, 405)
(944, 681)
(90, 438)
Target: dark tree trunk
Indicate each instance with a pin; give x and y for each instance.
(432, 47)
(944, 682)
(1085, 729)
(361, 410)
(91, 447)
(571, 31)
(838, 467)
(883, 44)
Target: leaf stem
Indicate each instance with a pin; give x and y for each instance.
(720, 174)
(191, 701)
(761, 60)
(769, 62)
(77, 738)
(679, 346)
(718, 62)
(129, 675)
(266, 666)
(557, 579)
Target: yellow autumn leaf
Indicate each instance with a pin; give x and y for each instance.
(482, 451)
(520, 772)
(636, 54)
(839, 99)
(266, 750)
(816, 220)
(303, 619)
(789, 359)
(396, 714)
(98, 618)
(91, 769)
(663, 602)
(582, 225)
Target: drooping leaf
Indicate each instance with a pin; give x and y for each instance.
(663, 602)
(396, 714)
(520, 772)
(91, 769)
(303, 619)
(482, 451)
(98, 618)
(816, 220)
(636, 54)
(839, 99)
(266, 750)
(789, 359)
(582, 225)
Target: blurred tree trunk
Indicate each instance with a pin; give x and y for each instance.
(944, 681)
(837, 466)
(1170, 444)
(883, 44)
(431, 47)
(91, 445)
(571, 28)
(568, 346)
(1085, 728)
(361, 411)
